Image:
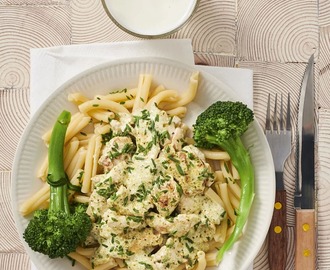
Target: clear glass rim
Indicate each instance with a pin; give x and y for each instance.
(151, 35)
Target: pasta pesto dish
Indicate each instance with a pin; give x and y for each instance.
(156, 201)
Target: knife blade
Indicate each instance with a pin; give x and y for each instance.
(304, 197)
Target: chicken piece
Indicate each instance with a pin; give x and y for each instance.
(208, 210)
(129, 204)
(166, 195)
(94, 235)
(194, 151)
(140, 261)
(184, 249)
(201, 235)
(125, 245)
(141, 239)
(175, 252)
(97, 205)
(123, 123)
(188, 168)
(116, 150)
(177, 226)
(200, 173)
(118, 224)
(169, 256)
(102, 257)
(178, 138)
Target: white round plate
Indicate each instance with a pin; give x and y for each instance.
(124, 74)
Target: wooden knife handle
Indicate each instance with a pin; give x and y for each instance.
(305, 257)
(277, 235)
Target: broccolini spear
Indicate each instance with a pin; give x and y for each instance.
(221, 125)
(57, 231)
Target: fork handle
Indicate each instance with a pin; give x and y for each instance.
(277, 236)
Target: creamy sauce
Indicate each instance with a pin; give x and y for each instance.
(150, 17)
(149, 206)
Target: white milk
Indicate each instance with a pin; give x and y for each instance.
(150, 17)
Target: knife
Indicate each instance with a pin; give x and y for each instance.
(304, 197)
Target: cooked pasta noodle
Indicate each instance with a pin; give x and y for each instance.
(143, 91)
(77, 98)
(82, 259)
(179, 111)
(88, 252)
(35, 201)
(101, 115)
(225, 198)
(211, 258)
(201, 265)
(119, 96)
(77, 162)
(157, 90)
(166, 95)
(216, 154)
(70, 151)
(88, 169)
(42, 170)
(102, 104)
(220, 235)
(187, 96)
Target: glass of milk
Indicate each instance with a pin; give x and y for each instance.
(150, 18)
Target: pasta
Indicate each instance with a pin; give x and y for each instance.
(86, 162)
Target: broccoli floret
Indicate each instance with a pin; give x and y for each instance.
(57, 231)
(221, 126)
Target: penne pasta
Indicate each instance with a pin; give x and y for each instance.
(180, 112)
(216, 154)
(43, 170)
(101, 104)
(214, 197)
(225, 198)
(77, 162)
(142, 92)
(102, 115)
(69, 151)
(36, 200)
(201, 265)
(156, 90)
(187, 96)
(210, 258)
(88, 169)
(119, 96)
(88, 252)
(166, 95)
(83, 260)
(221, 232)
(77, 98)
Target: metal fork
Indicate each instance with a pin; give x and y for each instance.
(278, 134)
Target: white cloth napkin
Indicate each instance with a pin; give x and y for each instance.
(51, 67)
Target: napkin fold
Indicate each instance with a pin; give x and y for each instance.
(51, 67)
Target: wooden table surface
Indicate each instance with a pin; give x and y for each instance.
(273, 38)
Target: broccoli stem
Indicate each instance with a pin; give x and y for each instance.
(242, 162)
(57, 178)
(59, 199)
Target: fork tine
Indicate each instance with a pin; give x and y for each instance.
(268, 114)
(275, 114)
(288, 114)
(281, 114)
